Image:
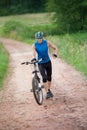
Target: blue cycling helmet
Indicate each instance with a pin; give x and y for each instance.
(39, 35)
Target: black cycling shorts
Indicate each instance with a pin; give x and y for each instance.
(46, 71)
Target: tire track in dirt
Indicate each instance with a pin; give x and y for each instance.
(18, 109)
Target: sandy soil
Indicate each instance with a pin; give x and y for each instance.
(67, 110)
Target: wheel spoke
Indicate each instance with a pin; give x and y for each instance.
(38, 94)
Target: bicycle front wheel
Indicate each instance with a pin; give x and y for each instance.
(38, 93)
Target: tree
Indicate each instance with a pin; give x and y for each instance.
(69, 15)
(21, 6)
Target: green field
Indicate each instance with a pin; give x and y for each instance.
(28, 19)
(73, 49)
(4, 60)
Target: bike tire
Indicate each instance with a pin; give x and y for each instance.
(38, 93)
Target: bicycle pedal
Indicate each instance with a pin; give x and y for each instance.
(42, 86)
(31, 90)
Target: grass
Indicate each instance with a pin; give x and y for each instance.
(20, 31)
(27, 19)
(3, 64)
(73, 48)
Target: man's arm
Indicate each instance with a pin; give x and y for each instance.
(51, 45)
(34, 51)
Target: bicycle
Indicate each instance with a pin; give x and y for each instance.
(36, 82)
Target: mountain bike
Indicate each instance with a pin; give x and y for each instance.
(36, 82)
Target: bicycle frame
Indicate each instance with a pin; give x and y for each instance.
(35, 72)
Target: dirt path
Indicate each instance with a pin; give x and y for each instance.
(18, 109)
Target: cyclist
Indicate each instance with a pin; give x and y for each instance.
(41, 50)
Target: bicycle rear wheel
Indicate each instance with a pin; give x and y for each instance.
(37, 91)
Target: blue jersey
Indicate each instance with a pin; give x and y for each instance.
(42, 51)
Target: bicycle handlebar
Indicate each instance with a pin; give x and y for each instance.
(32, 62)
(27, 62)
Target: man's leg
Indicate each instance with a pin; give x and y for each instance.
(44, 77)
